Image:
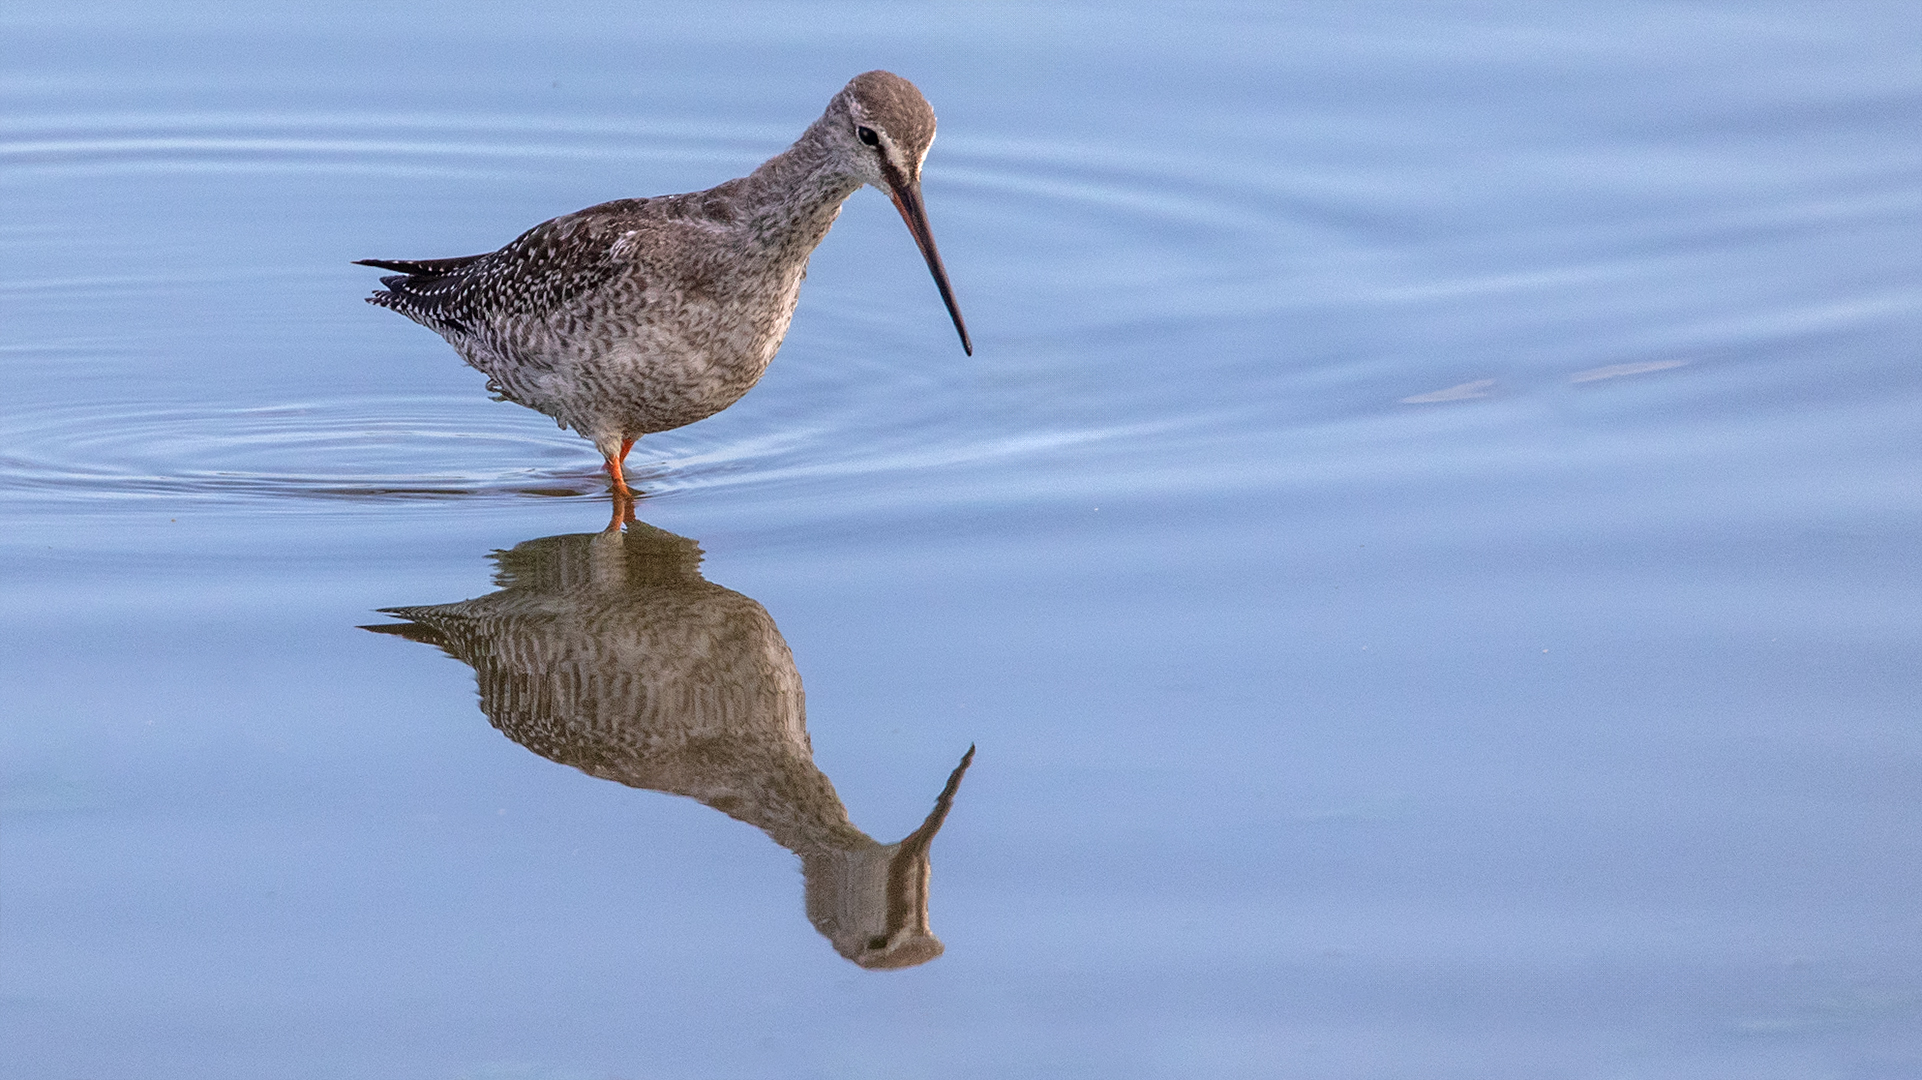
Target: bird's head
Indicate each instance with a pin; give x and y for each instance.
(887, 130)
(883, 133)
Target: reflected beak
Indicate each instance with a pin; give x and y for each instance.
(917, 842)
(906, 194)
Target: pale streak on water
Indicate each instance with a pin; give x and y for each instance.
(1426, 547)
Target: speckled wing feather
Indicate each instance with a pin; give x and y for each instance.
(425, 267)
(539, 271)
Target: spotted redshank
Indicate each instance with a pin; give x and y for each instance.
(642, 315)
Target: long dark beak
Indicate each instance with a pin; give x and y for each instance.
(906, 194)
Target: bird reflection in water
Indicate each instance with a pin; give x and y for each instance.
(610, 653)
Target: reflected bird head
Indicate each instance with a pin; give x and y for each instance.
(872, 902)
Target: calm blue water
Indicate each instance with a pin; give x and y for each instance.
(1426, 549)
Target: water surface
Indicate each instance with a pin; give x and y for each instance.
(1425, 549)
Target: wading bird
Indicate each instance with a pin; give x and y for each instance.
(642, 315)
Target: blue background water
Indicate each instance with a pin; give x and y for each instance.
(1426, 545)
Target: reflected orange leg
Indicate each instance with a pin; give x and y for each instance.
(623, 510)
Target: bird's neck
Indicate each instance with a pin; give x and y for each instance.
(795, 806)
(794, 196)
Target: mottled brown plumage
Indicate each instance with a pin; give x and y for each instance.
(642, 315)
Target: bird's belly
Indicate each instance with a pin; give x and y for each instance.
(604, 376)
(644, 386)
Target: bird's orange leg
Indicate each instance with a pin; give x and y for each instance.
(623, 495)
(614, 471)
(613, 466)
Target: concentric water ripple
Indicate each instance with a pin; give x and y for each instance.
(849, 401)
(1191, 272)
(330, 450)
(386, 144)
(1501, 419)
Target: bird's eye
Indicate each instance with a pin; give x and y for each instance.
(876, 942)
(868, 136)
